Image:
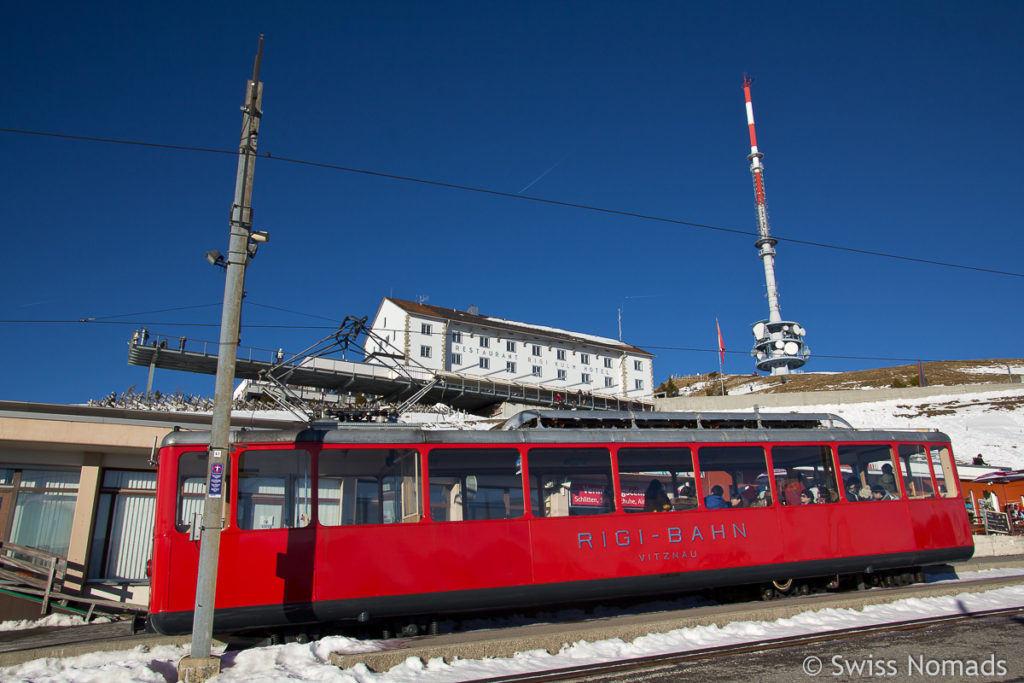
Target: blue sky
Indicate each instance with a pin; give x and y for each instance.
(887, 127)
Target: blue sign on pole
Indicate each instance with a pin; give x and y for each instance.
(216, 479)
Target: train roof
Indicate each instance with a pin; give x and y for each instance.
(582, 426)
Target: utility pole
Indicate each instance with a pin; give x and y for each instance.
(200, 666)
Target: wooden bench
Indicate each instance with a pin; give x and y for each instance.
(35, 572)
(33, 568)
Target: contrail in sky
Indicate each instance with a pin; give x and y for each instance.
(538, 178)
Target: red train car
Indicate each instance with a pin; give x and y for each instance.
(356, 522)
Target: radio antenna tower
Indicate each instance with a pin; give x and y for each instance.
(779, 344)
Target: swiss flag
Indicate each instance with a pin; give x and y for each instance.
(721, 344)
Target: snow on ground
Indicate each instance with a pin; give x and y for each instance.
(310, 661)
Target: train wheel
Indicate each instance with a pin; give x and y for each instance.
(803, 588)
(861, 583)
(767, 593)
(410, 630)
(833, 583)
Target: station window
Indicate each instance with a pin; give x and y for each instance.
(192, 467)
(942, 465)
(485, 342)
(274, 489)
(535, 371)
(122, 537)
(510, 366)
(917, 476)
(456, 359)
(484, 363)
(872, 468)
(656, 479)
(608, 382)
(585, 378)
(510, 346)
(728, 471)
(456, 337)
(805, 468)
(607, 362)
(44, 507)
(425, 328)
(638, 365)
(475, 483)
(585, 358)
(638, 384)
(535, 350)
(424, 352)
(368, 486)
(568, 482)
(561, 374)
(560, 354)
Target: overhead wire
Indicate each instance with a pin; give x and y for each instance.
(513, 195)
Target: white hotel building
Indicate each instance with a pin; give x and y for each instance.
(466, 343)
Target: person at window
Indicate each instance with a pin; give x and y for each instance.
(655, 498)
(715, 500)
(736, 500)
(806, 497)
(879, 493)
(791, 492)
(853, 490)
(888, 480)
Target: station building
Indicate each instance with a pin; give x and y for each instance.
(77, 481)
(466, 343)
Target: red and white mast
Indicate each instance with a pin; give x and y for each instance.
(780, 346)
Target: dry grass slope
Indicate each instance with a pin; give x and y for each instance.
(940, 373)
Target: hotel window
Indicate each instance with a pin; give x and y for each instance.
(425, 328)
(510, 346)
(456, 359)
(607, 362)
(585, 378)
(485, 342)
(561, 374)
(638, 365)
(510, 367)
(560, 354)
(536, 371)
(456, 337)
(608, 382)
(535, 350)
(585, 358)
(639, 384)
(485, 363)
(424, 352)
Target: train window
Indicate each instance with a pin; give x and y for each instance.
(570, 481)
(917, 477)
(192, 488)
(274, 489)
(475, 483)
(368, 486)
(733, 476)
(871, 467)
(942, 465)
(800, 469)
(656, 479)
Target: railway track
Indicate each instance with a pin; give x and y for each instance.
(17, 647)
(647, 662)
(551, 637)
